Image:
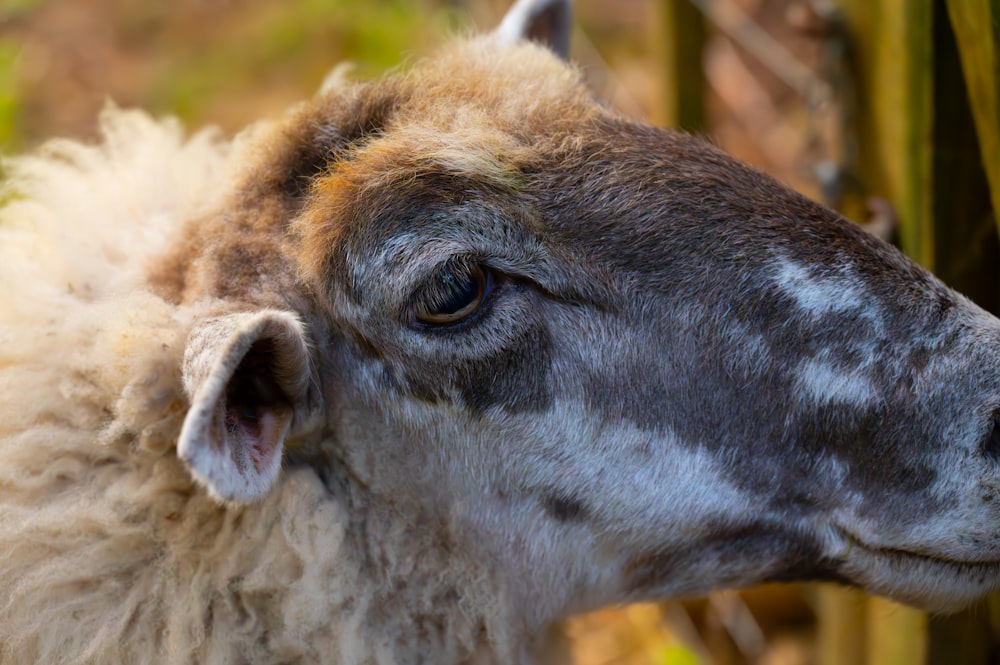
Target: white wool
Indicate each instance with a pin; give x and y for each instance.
(83, 219)
(85, 375)
(109, 552)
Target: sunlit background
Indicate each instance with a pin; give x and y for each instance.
(230, 62)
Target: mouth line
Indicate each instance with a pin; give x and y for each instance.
(894, 553)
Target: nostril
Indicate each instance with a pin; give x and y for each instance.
(992, 445)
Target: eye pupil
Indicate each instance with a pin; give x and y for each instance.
(458, 293)
(992, 447)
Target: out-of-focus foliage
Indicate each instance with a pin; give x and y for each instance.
(294, 45)
(10, 7)
(636, 635)
(231, 62)
(226, 62)
(9, 52)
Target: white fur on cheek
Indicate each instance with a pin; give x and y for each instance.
(633, 502)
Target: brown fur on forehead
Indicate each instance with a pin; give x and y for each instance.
(410, 167)
(221, 254)
(526, 90)
(477, 113)
(476, 110)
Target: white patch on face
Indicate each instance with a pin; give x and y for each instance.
(820, 380)
(817, 296)
(824, 383)
(745, 350)
(641, 490)
(401, 249)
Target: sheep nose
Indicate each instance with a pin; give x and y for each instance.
(991, 447)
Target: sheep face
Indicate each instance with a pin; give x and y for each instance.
(606, 359)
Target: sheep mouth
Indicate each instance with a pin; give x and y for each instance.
(853, 542)
(929, 580)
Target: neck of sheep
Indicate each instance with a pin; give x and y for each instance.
(395, 588)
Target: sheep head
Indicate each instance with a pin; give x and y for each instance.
(606, 359)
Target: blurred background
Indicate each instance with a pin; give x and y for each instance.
(885, 109)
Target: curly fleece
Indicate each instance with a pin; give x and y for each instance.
(109, 552)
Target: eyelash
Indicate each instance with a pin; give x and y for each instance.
(454, 296)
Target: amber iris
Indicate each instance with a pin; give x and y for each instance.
(457, 293)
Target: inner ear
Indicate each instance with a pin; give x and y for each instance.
(250, 381)
(546, 22)
(548, 27)
(257, 408)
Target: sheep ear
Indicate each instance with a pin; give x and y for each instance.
(249, 380)
(547, 22)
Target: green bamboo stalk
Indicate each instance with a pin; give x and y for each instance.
(893, 54)
(897, 635)
(977, 29)
(842, 630)
(684, 35)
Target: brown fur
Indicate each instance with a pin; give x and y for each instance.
(319, 167)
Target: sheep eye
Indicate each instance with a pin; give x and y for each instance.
(992, 445)
(454, 295)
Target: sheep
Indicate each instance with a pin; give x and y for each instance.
(436, 361)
